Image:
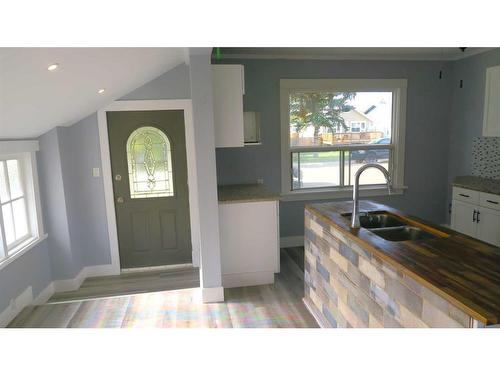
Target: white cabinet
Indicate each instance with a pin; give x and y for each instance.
(476, 214)
(463, 218)
(488, 225)
(249, 242)
(491, 117)
(228, 90)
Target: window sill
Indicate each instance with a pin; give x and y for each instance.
(318, 194)
(21, 249)
(252, 144)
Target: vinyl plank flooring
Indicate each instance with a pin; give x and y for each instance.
(132, 283)
(101, 303)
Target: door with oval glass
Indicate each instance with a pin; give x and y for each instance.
(148, 162)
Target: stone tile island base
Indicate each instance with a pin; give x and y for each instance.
(347, 286)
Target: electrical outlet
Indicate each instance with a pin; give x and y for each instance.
(96, 172)
(260, 181)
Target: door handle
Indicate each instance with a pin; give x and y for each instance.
(464, 195)
(487, 200)
(474, 216)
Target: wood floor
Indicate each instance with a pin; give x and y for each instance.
(92, 306)
(132, 283)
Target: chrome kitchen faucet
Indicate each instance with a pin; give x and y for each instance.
(355, 190)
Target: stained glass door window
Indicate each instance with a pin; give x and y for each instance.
(149, 158)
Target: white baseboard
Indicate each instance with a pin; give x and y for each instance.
(26, 298)
(69, 285)
(171, 267)
(211, 295)
(16, 306)
(44, 295)
(236, 280)
(291, 241)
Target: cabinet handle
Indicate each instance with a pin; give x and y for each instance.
(464, 195)
(477, 217)
(487, 200)
(474, 216)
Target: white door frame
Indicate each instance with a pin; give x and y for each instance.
(148, 105)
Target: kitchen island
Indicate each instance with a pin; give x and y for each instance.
(370, 277)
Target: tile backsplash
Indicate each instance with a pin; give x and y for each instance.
(486, 157)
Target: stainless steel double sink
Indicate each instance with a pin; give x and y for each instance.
(390, 227)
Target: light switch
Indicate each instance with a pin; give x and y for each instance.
(96, 172)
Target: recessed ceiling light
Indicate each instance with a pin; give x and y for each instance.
(53, 67)
(101, 91)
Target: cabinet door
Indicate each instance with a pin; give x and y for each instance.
(228, 92)
(462, 215)
(488, 226)
(248, 237)
(491, 121)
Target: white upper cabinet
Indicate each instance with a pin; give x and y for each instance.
(228, 90)
(491, 120)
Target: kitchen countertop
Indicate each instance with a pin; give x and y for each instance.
(487, 185)
(245, 193)
(462, 270)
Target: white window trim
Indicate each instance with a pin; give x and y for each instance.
(25, 151)
(398, 88)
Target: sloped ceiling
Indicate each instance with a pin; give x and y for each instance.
(33, 100)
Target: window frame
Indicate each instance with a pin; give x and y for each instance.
(398, 87)
(25, 153)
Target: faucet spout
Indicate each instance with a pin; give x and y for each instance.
(355, 191)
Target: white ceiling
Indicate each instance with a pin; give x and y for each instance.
(34, 100)
(362, 53)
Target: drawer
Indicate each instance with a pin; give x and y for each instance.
(489, 200)
(466, 195)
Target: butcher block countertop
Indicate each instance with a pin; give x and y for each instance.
(462, 270)
(245, 193)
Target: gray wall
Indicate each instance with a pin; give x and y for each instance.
(204, 140)
(172, 85)
(86, 212)
(65, 262)
(467, 107)
(31, 269)
(427, 129)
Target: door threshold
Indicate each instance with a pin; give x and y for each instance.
(170, 267)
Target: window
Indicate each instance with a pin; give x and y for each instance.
(357, 126)
(20, 222)
(331, 128)
(149, 164)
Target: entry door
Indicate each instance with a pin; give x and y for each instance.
(148, 162)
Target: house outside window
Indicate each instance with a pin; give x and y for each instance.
(332, 127)
(20, 214)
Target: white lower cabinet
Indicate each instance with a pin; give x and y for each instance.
(476, 214)
(488, 226)
(249, 242)
(463, 218)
